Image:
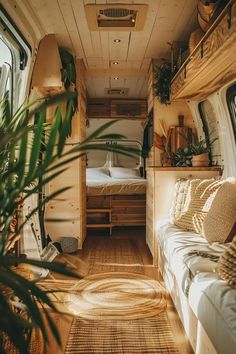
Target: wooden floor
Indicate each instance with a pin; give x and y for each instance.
(125, 250)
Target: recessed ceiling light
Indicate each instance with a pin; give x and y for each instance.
(116, 78)
(117, 40)
(115, 62)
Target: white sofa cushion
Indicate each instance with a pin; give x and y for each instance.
(214, 304)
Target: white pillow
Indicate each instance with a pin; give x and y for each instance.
(122, 172)
(96, 173)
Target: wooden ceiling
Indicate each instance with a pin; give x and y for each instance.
(166, 21)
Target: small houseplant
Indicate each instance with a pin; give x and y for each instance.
(200, 152)
(162, 82)
(182, 157)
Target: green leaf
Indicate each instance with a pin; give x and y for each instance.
(37, 141)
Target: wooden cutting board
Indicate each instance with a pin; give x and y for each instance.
(180, 137)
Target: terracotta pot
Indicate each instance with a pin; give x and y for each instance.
(200, 160)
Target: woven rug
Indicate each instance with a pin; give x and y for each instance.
(120, 313)
(117, 295)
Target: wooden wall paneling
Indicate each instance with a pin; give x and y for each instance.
(71, 207)
(81, 71)
(150, 210)
(211, 65)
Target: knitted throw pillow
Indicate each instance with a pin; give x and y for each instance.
(179, 198)
(218, 225)
(199, 200)
(226, 267)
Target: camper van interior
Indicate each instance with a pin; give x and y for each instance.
(118, 176)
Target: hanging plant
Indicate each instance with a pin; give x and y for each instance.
(162, 77)
(68, 77)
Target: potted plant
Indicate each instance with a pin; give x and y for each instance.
(162, 82)
(182, 157)
(200, 152)
(29, 156)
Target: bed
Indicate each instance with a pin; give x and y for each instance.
(116, 195)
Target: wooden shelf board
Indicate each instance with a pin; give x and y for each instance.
(99, 225)
(172, 168)
(99, 210)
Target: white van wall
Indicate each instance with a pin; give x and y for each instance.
(226, 135)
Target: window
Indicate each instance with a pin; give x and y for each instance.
(211, 130)
(5, 69)
(14, 55)
(231, 101)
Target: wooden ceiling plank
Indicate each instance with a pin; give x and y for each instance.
(117, 72)
(82, 25)
(73, 33)
(139, 40)
(50, 15)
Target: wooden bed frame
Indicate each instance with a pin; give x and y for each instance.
(108, 211)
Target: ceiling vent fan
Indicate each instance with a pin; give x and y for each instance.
(116, 91)
(113, 17)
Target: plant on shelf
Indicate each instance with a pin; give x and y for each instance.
(29, 158)
(162, 82)
(182, 157)
(200, 151)
(68, 77)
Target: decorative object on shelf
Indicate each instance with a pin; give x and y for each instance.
(200, 152)
(195, 38)
(182, 157)
(162, 142)
(181, 135)
(68, 77)
(200, 160)
(162, 82)
(208, 11)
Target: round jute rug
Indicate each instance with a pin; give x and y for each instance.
(117, 296)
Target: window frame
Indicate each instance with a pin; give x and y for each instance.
(230, 97)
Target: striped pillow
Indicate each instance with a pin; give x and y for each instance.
(199, 199)
(226, 268)
(179, 198)
(219, 223)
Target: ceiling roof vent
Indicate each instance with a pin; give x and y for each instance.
(112, 17)
(116, 91)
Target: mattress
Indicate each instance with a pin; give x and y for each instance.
(113, 186)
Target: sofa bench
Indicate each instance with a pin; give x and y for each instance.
(205, 303)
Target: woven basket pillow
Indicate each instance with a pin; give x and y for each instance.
(181, 189)
(219, 222)
(226, 267)
(199, 199)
